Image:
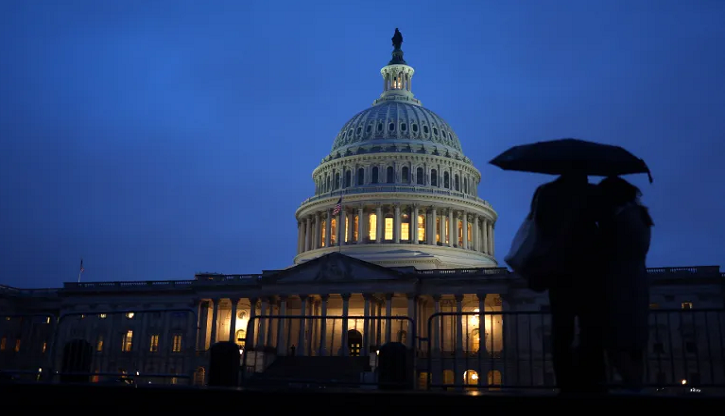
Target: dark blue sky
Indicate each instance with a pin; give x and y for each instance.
(156, 139)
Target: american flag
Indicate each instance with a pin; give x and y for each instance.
(338, 207)
(82, 269)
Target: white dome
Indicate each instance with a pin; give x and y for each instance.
(400, 125)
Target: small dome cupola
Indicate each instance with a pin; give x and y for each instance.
(397, 76)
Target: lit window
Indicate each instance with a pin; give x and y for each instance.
(355, 236)
(127, 341)
(438, 229)
(333, 231)
(154, 344)
(45, 347)
(17, 345)
(102, 316)
(421, 227)
(130, 315)
(99, 343)
(372, 232)
(405, 228)
(459, 227)
(176, 346)
(323, 232)
(3, 343)
(687, 305)
(654, 305)
(470, 232)
(389, 228)
(346, 231)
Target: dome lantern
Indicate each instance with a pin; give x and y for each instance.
(397, 76)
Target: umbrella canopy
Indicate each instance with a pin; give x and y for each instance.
(562, 156)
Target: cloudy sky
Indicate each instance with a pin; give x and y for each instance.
(156, 139)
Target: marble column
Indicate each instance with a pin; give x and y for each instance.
(388, 314)
(308, 239)
(214, 322)
(437, 324)
(249, 343)
(476, 235)
(465, 230)
(262, 337)
(433, 217)
(303, 327)
(233, 321)
(366, 325)
(328, 229)
(345, 313)
(414, 225)
(360, 215)
(451, 228)
(379, 223)
(410, 338)
(323, 325)
(396, 224)
(281, 340)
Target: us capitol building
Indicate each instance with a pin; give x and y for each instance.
(395, 245)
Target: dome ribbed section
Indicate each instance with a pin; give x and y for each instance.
(397, 124)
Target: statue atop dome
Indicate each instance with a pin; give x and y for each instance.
(397, 39)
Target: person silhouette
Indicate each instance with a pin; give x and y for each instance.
(625, 233)
(565, 213)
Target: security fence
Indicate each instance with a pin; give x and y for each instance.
(326, 350)
(512, 350)
(152, 346)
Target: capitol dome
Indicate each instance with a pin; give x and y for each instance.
(396, 188)
(400, 125)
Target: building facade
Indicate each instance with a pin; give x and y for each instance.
(395, 246)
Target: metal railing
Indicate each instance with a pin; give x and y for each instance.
(101, 346)
(686, 348)
(383, 188)
(321, 350)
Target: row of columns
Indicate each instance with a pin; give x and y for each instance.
(432, 175)
(311, 234)
(372, 323)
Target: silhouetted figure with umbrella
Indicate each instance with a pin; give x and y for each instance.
(556, 249)
(625, 229)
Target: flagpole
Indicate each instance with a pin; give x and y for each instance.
(80, 271)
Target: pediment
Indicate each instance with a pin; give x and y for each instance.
(335, 267)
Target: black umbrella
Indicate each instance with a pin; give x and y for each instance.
(561, 156)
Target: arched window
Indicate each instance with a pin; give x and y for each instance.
(446, 180)
(241, 337)
(419, 176)
(433, 177)
(373, 223)
(354, 342)
(388, 228)
(348, 178)
(333, 231)
(199, 376)
(475, 339)
(494, 379)
(405, 172)
(337, 180)
(470, 377)
(375, 174)
(421, 227)
(456, 183)
(390, 175)
(465, 184)
(361, 176)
